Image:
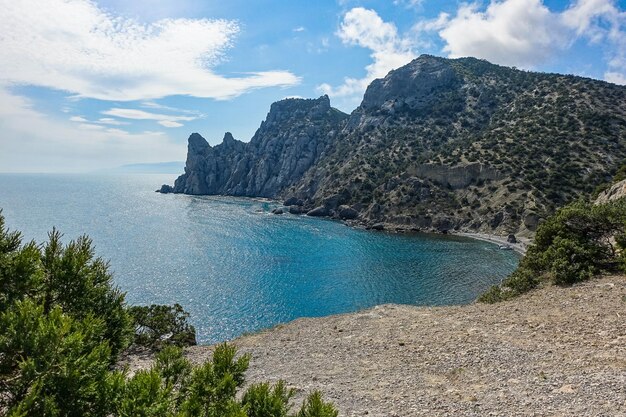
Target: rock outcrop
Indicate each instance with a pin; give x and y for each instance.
(615, 192)
(293, 137)
(458, 176)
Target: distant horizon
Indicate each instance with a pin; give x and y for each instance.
(118, 170)
(127, 82)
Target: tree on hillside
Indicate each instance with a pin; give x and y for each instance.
(64, 325)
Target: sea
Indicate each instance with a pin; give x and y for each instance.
(234, 266)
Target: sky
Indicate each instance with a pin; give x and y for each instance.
(90, 85)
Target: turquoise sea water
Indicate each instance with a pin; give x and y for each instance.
(234, 266)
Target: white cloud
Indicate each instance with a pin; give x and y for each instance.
(77, 47)
(49, 145)
(144, 115)
(512, 32)
(165, 120)
(615, 77)
(78, 119)
(299, 29)
(90, 126)
(154, 105)
(169, 123)
(111, 121)
(526, 33)
(408, 3)
(364, 28)
(119, 132)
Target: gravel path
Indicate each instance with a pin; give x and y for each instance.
(554, 352)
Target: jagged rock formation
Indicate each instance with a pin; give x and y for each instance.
(438, 144)
(293, 137)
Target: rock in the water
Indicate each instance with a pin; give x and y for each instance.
(319, 212)
(295, 210)
(347, 213)
(378, 226)
(278, 211)
(165, 189)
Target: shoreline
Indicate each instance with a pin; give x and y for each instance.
(520, 247)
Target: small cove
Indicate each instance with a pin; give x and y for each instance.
(234, 266)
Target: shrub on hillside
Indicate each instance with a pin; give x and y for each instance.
(580, 240)
(158, 325)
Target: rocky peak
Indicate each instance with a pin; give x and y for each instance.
(296, 109)
(294, 135)
(197, 143)
(412, 85)
(229, 142)
(228, 137)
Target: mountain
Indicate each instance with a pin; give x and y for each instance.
(438, 144)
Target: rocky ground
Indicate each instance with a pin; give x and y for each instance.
(553, 352)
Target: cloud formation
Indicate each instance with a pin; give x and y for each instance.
(526, 33)
(365, 28)
(77, 47)
(61, 146)
(165, 120)
(513, 32)
(523, 33)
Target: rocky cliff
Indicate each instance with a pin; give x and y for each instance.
(613, 193)
(438, 144)
(293, 137)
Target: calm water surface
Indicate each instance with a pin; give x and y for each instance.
(234, 266)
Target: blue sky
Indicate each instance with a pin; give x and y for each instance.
(87, 85)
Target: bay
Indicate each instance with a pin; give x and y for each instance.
(234, 266)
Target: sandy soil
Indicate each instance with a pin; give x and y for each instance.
(553, 352)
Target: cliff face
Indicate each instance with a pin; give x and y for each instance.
(438, 144)
(615, 192)
(294, 135)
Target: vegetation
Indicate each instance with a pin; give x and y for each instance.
(550, 138)
(159, 325)
(576, 243)
(64, 325)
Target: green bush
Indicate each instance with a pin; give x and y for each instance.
(52, 364)
(577, 242)
(82, 285)
(158, 325)
(64, 324)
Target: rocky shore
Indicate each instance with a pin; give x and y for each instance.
(553, 352)
(520, 245)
